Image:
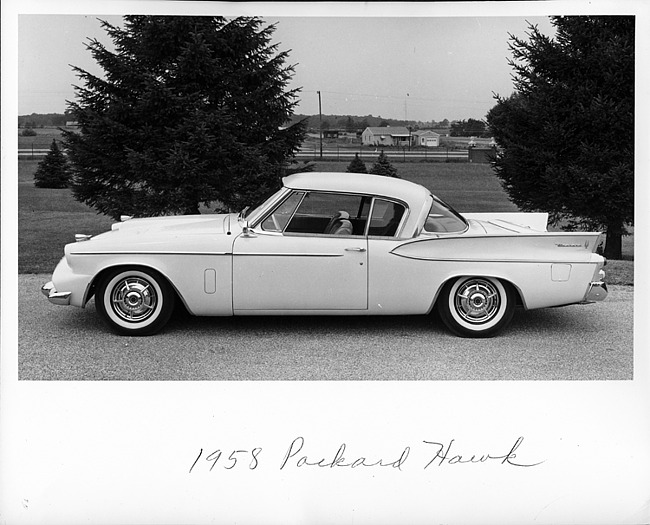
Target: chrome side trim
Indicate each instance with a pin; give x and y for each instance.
(518, 235)
(271, 254)
(58, 298)
(126, 252)
(500, 261)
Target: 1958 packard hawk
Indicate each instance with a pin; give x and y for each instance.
(331, 244)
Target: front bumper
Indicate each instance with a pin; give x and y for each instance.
(55, 297)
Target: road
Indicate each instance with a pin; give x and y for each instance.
(581, 342)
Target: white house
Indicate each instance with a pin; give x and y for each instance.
(426, 138)
(386, 136)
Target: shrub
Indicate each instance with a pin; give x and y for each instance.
(357, 165)
(53, 170)
(384, 167)
(28, 132)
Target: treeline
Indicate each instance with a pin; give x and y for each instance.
(458, 128)
(356, 123)
(469, 128)
(48, 120)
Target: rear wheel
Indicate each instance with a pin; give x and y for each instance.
(135, 301)
(476, 306)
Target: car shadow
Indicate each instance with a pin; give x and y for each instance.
(306, 324)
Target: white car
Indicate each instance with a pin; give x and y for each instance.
(331, 244)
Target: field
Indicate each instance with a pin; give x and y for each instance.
(467, 187)
(48, 219)
(42, 140)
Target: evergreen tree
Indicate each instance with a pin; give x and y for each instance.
(190, 111)
(468, 128)
(384, 167)
(356, 165)
(53, 171)
(567, 133)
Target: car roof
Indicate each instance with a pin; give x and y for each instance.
(409, 192)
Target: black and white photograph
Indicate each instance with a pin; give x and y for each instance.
(324, 263)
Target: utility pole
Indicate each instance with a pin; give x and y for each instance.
(320, 125)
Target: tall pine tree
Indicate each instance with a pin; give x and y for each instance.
(190, 111)
(567, 133)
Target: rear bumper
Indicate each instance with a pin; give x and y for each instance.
(54, 296)
(597, 290)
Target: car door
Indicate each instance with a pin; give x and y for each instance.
(309, 254)
(395, 284)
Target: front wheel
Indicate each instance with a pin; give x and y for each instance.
(135, 301)
(476, 306)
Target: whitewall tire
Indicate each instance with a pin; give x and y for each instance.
(476, 306)
(134, 301)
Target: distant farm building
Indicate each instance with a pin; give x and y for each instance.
(386, 136)
(341, 134)
(427, 139)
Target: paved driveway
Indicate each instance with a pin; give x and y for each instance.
(593, 342)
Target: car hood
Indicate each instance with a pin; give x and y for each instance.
(186, 233)
(177, 224)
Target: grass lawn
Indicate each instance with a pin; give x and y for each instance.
(48, 219)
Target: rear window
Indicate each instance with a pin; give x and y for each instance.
(443, 218)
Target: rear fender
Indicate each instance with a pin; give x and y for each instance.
(507, 282)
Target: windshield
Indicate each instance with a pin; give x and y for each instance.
(443, 218)
(251, 211)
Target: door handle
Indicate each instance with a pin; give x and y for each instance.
(355, 249)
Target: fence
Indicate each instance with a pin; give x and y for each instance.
(337, 153)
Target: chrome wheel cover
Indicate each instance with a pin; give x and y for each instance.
(133, 299)
(477, 301)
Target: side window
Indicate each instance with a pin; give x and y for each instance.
(330, 214)
(279, 218)
(386, 216)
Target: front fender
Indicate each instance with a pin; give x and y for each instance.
(203, 281)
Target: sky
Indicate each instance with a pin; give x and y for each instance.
(401, 67)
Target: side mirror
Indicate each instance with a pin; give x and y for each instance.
(247, 231)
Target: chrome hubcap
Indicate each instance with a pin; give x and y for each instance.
(477, 301)
(134, 299)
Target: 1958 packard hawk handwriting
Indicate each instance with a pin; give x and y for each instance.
(331, 244)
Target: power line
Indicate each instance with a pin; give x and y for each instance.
(394, 97)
